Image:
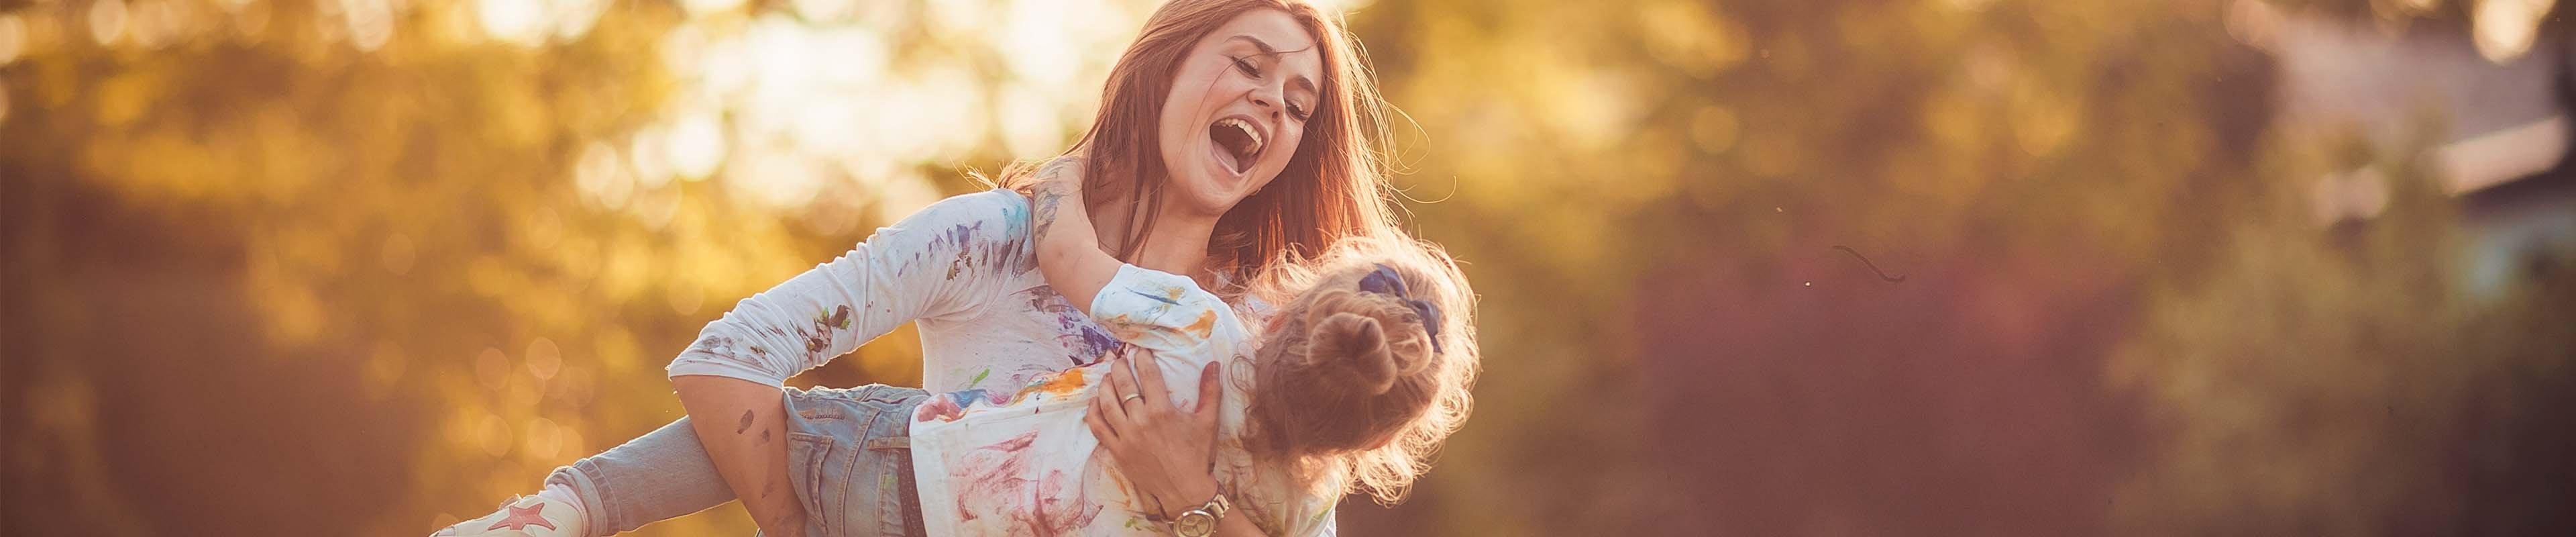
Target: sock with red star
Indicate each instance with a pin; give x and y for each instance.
(562, 494)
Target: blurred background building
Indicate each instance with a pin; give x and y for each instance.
(2501, 94)
(2169, 267)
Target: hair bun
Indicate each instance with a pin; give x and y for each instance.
(1354, 348)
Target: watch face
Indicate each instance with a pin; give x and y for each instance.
(1195, 523)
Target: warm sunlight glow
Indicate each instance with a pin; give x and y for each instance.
(1761, 267)
(696, 145)
(107, 21)
(13, 38)
(2505, 28)
(370, 22)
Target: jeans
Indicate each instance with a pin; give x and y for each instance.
(849, 459)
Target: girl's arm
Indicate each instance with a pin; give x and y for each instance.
(1067, 247)
(931, 264)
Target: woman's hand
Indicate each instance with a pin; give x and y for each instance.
(1162, 449)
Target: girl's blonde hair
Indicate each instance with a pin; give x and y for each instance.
(1333, 187)
(1368, 370)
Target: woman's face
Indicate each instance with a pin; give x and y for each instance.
(1239, 104)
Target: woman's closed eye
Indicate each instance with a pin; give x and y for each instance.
(1248, 69)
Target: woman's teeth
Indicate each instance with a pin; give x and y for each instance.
(1248, 131)
(1251, 137)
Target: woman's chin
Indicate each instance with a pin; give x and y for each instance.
(1213, 203)
(1214, 188)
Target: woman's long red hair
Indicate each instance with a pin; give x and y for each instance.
(1333, 187)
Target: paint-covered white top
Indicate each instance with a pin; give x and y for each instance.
(964, 271)
(962, 268)
(1023, 462)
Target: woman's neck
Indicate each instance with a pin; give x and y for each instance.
(1177, 244)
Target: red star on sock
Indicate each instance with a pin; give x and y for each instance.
(520, 519)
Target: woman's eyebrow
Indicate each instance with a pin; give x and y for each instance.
(1266, 50)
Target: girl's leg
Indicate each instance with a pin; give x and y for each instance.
(848, 455)
(662, 475)
(851, 458)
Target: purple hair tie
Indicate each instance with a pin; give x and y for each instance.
(1384, 281)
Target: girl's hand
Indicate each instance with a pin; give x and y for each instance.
(1163, 450)
(1068, 252)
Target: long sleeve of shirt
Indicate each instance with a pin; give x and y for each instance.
(937, 262)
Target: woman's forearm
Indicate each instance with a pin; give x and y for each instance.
(743, 427)
(1236, 525)
(1197, 492)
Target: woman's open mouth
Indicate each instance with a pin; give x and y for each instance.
(1238, 144)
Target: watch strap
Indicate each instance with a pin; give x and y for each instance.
(1215, 510)
(1218, 506)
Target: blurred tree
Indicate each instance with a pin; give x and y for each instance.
(1667, 308)
(1704, 349)
(365, 267)
(2345, 384)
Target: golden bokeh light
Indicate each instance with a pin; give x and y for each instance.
(1769, 267)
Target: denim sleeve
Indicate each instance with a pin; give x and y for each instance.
(939, 262)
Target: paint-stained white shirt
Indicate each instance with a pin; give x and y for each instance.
(962, 268)
(1024, 463)
(964, 271)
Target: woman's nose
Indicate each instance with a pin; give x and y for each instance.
(1266, 97)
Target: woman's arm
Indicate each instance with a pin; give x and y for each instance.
(1160, 443)
(750, 450)
(939, 261)
(930, 264)
(1164, 451)
(1236, 525)
(1196, 490)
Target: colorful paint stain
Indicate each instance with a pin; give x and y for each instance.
(1172, 296)
(940, 407)
(1059, 385)
(1202, 327)
(969, 397)
(995, 482)
(970, 247)
(1085, 341)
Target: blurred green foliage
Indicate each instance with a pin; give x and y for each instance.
(368, 267)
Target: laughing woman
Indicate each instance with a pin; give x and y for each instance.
(1232, 134)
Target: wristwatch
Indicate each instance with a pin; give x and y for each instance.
(1201, 522)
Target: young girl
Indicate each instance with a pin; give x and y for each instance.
(1374, 350)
